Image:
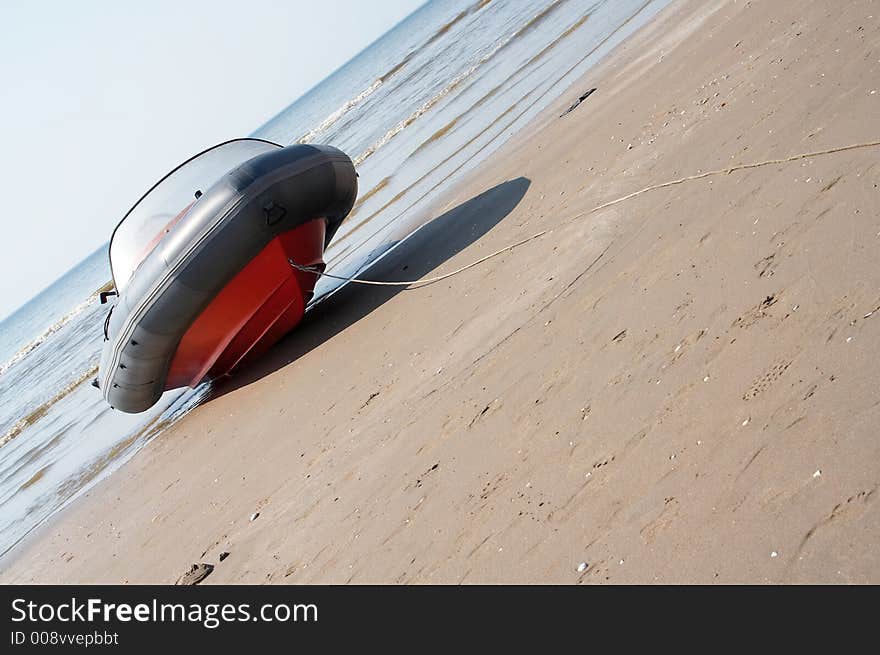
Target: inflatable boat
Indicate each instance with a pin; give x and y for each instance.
(202, 264)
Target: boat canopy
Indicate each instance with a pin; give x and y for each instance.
(167, 202)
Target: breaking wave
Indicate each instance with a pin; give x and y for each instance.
(48, 332)
(333, 118)
(38, 413)
(339, 113)
(456, 81)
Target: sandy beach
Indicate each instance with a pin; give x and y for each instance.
(681, 387)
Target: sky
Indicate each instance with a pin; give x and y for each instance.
(98, 100)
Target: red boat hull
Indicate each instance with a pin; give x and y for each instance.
(263, 302)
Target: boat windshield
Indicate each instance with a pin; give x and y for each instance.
(168, 201)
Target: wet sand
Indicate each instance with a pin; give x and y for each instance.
(680, 388)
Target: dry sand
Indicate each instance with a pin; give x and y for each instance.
(682, 388)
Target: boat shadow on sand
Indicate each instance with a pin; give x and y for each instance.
(414, 258)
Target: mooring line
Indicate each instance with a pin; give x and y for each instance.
(415, 284)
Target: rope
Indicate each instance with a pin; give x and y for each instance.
(424, 281)
(415, 284)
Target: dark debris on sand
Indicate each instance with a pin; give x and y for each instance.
(196, 574)
(581, 98)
